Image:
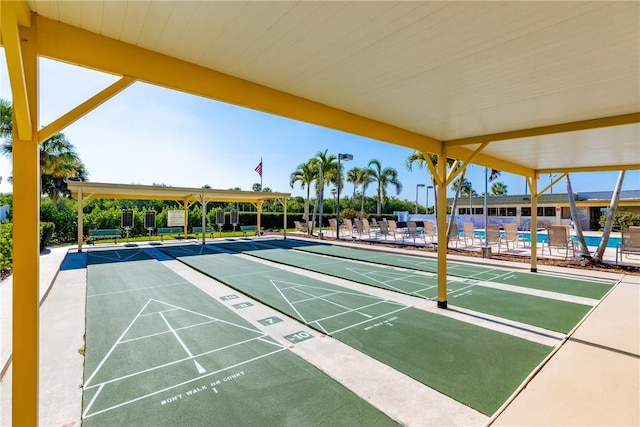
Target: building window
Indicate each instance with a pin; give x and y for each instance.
(547, 211)
(478, 211)
(493, 211)
(566, 213)
(526, 211)
(511, 211)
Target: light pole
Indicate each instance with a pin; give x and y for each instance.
(417, 187)
(333, 192)
(346, 158)
(427, 202)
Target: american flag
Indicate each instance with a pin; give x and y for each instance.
(258, 168)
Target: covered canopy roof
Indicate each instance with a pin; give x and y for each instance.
(98, 190)
(554, 84)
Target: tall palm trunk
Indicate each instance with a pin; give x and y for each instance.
(364, 189)
(306, 204)
(611, 213)
(584, 251)
(452, 217)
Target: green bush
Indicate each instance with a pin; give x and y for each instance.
(6, 245)
(46, 233)
(621, 220)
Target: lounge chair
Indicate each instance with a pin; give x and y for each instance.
(559, 239)
(412, 231)
(300, 226)
(393, 228)
(384, 230)
(366, 228)
(468, 232)
(454, 235)
(630, 243)
(511, 236)
(348, 225)
(492, 235)
(333, 225)
(357, 224)
(429, 231)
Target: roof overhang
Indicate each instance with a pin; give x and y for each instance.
(96, 190)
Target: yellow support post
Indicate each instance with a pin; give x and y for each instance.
(441, 219)
(26, 240)
(80, 228)
(533, 187)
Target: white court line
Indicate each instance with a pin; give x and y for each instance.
(388, 286)
(349, 309)
(368, 320)
(135, 290)
(181, 384)
(93, 399)
(106, 356)
(164, 365)
(159, 312)
(175, 334)
(288, 302)
(251, 273)
(354, 309)
(166, 332)
(312, 298)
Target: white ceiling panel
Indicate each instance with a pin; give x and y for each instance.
(446, 70)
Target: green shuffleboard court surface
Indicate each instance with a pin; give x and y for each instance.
(160, 352)
(588, 288)
(476, 366)
(552, 314)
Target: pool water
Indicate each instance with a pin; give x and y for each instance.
(542, 238)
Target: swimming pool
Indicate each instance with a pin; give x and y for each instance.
(541, 237)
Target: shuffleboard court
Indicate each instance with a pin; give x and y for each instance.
(552, 314)
(476, 366)
(588, 288)
(160, 352)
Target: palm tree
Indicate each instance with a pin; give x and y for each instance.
(383, 177)
(353, 176)
(611, 213)
(498, 189)
(365, 178)
(305, 175)
(59, 160)
(326, 171)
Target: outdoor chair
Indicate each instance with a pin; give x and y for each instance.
(300, 226)
(348, 225)
(333, 226)
(374, 223)
(468, 232)
(384, 230)
(630, 243)
(412, 231)
(454, 234)
(366, 228)
(511, 236)
(559, 238)
(357, 224)
(492, 235)
(429, 231)
(393, 228)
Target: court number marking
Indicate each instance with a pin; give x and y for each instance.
(242, 305)
(270, 321)
(229, 297)
(298, 336)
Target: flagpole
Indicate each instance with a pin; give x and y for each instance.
(261, 169)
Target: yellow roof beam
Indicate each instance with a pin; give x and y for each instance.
(624, 119)
(13, 15)
(84, 108)
(74, 45)
(609, 168)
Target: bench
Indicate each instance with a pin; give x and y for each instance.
(247, 228)
(105, 233)
(166, 231)
(198, 230)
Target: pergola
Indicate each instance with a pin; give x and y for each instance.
(85, 191)
(528, 88)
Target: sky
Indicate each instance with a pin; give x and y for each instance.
(147, 134)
